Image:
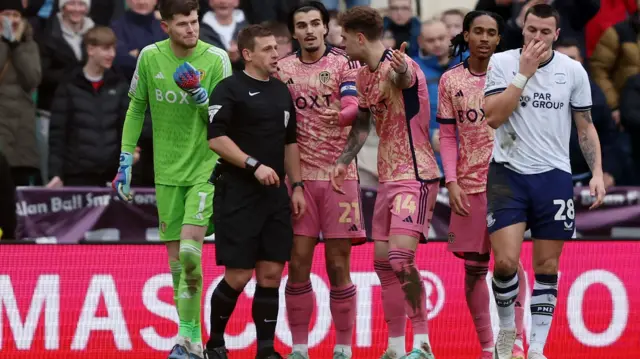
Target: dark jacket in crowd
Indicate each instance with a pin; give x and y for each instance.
(630, 114)
(58, 59)
(8, 218)
(409, 33)
(86, 125)
(616, 58)
(20, 63)
(134, 32)
(608, 134)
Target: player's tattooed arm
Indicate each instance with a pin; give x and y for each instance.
(357, 136)
(402, 80)
(588, 140)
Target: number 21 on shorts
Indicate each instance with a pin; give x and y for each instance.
(347, 208)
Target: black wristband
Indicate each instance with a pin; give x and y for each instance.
(297, 184)
(251, 164)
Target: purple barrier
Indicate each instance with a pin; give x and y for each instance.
(74, 214)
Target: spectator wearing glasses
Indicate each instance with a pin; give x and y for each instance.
(20, 74)
(403, 26)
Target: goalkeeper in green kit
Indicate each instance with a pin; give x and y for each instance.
(174, 78)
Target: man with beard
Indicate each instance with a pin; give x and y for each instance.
(321, 80)
(178, 101)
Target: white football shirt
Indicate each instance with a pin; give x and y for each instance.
(535, 138)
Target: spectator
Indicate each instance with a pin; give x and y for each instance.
(334, 5)
(453, 19)
(220, 28)
(20, 74)
(137, 28)
(403, 25)
(616, 58)
(102, 12)
(283, 38)
(434, 60)
(601, 114)
(334, 37)
(611, 12)
(60, 51)
(87, 117)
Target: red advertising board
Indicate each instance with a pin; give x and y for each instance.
(114, 301)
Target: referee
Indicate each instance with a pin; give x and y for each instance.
(252, 126)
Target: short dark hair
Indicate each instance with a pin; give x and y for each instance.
(566, 41)
(306, 6)
(543, 11)
(278, 29)
(453, 12)
(363, 19)
(247, 36)
(100, 36)
(170, 8)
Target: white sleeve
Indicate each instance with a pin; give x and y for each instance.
(496, 81)
(581, 91)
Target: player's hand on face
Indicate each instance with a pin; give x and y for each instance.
(596, 186)
(330, 116)
(458, 199)
(337, 176)
(267, 176)
(298, 204)
(398, 60)
(532, 55)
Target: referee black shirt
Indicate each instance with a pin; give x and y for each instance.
(258, 116)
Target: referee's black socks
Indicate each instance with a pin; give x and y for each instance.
(265, 316)
(223, 302)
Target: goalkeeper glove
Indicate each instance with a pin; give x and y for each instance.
(188, 79)
(122, 183)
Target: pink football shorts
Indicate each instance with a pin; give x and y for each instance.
(403, 208)
(335, 215)
(469, 234)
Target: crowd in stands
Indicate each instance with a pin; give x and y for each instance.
(65, 66)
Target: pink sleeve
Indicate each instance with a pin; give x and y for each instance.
(349, 110)
(449, 151)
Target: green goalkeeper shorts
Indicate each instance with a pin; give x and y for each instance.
(180, 205)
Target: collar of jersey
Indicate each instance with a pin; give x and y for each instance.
(553, 54)
(326, 52)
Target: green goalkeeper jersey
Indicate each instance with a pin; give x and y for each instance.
(181, 154)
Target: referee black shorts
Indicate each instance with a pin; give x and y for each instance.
(252, 222)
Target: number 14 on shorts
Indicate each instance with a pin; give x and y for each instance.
(404, 202)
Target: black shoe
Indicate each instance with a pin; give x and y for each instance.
(216, 353)
(268, 353)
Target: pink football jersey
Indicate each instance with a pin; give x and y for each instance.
(402, 122)
(315, 87)
(460, 103)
